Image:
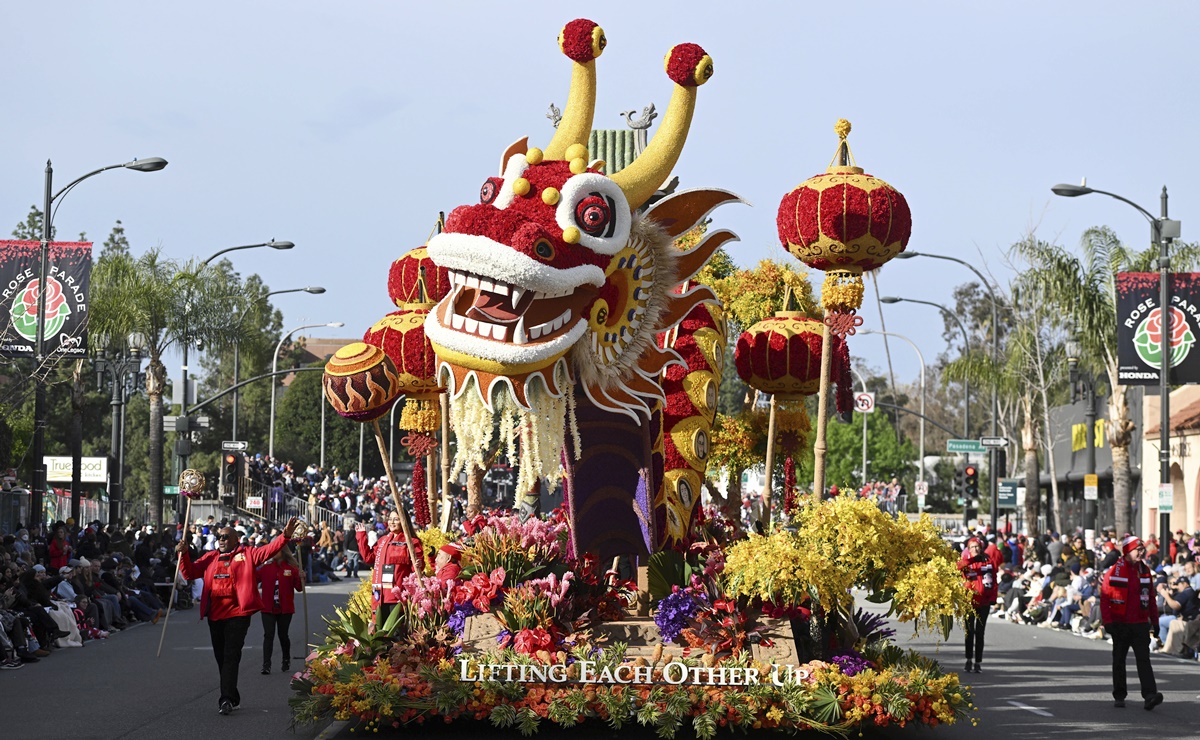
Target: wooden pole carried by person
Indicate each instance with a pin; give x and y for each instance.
(408, 530)
(191, 484)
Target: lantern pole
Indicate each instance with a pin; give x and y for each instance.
(768, 474)
(822, 413)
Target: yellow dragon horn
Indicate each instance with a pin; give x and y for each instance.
(581, 40)
(689, 67)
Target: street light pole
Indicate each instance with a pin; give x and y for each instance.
(921, 422)
(993, 473)
(864, 416)
(275, 368)
(966, 348)
(1162, 232)
(237, 344)
(37, 463)
(184, 450)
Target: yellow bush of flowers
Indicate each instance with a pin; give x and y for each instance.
(846, 542)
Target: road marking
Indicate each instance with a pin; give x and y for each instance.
(1027, 708)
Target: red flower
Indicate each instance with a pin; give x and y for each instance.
(529, 641)
(1153, 325)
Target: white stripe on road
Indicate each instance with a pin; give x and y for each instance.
(1027, 708)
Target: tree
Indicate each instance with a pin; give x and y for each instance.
(1084, 290)
(31, 228)
(167, 303)
(117, 244)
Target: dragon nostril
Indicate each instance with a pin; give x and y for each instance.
(544, 250)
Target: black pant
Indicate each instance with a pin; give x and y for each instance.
(270, 623)
(976, 623)
(1136, 636)
(228, 636)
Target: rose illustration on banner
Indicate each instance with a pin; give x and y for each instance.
(25, 305)
(1147, 340)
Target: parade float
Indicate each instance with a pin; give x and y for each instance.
(562, 325)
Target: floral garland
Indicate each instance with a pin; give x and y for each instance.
(535, 438)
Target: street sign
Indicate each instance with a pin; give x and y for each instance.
(964, 445)
(922, 488)
(1166, 498)
(254, 502)
(993, 441)
(920, 502)
(1006, 492)
(170, 490)
(864, 402)
(1091, 487)
(235, 446)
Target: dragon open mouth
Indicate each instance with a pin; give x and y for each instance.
(504, 312)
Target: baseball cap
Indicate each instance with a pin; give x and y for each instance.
(39, 568)
(65, 570)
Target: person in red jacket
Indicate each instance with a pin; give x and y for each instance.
(980, 569)
(389, 563)
(280, 578)
(1129, 612)
(229, 599)
(60, 549)
(447, 566)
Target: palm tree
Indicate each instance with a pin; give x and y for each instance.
(1083, 288)
(163, 301)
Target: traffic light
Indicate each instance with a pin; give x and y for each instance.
(231, 469)
(971, 481)
(959, 482)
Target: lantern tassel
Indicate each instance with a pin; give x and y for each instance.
(420, 414)
(789, 486)
(420, 501)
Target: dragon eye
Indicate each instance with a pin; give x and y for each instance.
(489, 190)
(544, 250)
(593, 214)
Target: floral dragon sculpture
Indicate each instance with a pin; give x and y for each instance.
(568, 300)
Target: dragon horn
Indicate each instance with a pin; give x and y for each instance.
(582, 41)
(689, 67)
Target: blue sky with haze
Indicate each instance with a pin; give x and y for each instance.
(345, 127)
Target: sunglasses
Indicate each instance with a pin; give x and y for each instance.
(225, 537)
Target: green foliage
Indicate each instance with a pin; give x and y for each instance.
(667, 568)
(31, 228)
(298, 429)
(117, 244)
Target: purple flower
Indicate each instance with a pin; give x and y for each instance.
(458, 618)
(852, 663)
(676, 611)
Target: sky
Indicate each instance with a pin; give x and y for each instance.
(346, 127)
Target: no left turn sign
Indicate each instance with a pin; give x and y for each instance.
(864, 402)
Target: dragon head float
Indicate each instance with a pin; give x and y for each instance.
(558, 274)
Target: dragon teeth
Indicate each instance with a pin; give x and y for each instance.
(517, 295)
(519, 335)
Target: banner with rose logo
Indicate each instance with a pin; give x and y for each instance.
(69, 273)
(1139, 328)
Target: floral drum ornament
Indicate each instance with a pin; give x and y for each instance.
(361, 382)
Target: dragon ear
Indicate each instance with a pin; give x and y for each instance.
(520, 146)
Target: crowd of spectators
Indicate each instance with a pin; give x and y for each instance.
(66, 586)
(1053, 582)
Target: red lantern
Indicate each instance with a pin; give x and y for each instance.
(844, 222)
(405, 275)
(401, 335)
(781, 355)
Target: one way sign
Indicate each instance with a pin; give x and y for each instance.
(235, 446)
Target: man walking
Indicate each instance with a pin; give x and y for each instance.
(1130, 613)
(230, 598)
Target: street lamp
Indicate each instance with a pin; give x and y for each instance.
(123, 368)
(921, 461)
(1082, 383)
(237, 343)
(966, 348)
(992, 466)
(1162, 232)
(184, 450)
(37, 464)
(275, 368)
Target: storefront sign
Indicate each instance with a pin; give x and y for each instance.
(92, 469)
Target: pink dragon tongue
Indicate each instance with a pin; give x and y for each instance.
(494, 306)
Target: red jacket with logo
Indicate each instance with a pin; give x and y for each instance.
(1127, 594)
(389, 550)
(982, 575)
(238, 567)
(287, 578)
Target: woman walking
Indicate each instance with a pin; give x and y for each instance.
(979, 568)
(279, 578)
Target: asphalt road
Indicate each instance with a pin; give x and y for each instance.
(116, 689)
(1036, 683)
(1039, 683)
